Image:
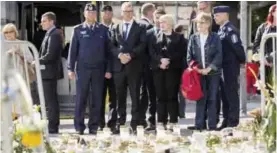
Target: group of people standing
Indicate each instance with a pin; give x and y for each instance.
(146, 56)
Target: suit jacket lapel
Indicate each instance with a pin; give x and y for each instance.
(132, 29)
(208, 41)
(198, 40)
(120, 26)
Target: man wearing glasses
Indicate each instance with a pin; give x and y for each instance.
(203, 6)
(129, 39)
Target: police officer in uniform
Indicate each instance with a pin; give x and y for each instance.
(233, 56)
(89, 59)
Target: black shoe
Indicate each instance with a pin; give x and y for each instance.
(213, 129)
(92, 132)
(115, 130)
(223, 126)
(81, 132)
(133, 130)
(182, 116)
(151, 127)
(53, 131)
(143, 123)
(196, 128)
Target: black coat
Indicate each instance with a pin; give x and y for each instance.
(134, 45)
(50, 55)
(172, 47)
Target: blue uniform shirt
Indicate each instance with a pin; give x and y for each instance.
(89, 47)
(233, 51)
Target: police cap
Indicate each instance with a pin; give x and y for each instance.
(90, 7)
(221, 9)
(107, 8)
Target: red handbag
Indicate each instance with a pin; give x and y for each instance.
(191, 87)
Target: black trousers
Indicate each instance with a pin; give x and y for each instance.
(147, 97)
(51, 102)
(230, 97)
(109, 87)
(132, 80)
(167, 86)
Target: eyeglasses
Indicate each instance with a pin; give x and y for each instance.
(202, 22)
(130, 11)
(7, 32)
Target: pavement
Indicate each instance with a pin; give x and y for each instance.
(66, 125)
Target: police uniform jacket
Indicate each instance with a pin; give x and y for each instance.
(233, 51)
(89, 47)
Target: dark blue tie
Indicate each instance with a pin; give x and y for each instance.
(125, 31)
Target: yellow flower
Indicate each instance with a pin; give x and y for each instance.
(31, 139)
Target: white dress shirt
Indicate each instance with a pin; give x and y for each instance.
(203, 39)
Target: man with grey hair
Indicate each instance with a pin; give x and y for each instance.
(129, 38)
(203, 6)
(147, 86)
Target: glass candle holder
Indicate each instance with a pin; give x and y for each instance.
(124, 132)
(177, 129)
(107, 132)
(160, 131)
(140, 131)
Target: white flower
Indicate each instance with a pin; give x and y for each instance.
(259, 85)
(15, 144)
(256, 57)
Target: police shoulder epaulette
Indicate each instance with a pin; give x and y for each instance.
(77, 26)
(229, 29)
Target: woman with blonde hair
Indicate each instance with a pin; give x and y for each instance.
(205, 49)
(17, 57)
(167, 51)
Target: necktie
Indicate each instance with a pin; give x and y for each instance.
(125, 31)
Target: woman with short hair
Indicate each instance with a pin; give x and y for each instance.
(205, 49)
(166, 51)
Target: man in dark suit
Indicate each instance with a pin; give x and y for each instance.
(89, 59)
(129, 39)
(147, 86)
(149, 89)
(50, 60)
(109, 86)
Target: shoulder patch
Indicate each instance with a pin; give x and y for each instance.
(229, 29)
(234, 38)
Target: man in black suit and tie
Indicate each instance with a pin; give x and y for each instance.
(109, 86)
(50, 60)
(147, 86)
(129, 39)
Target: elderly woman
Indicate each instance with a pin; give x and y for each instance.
(205, 48)
(10, 33)
(167, 51)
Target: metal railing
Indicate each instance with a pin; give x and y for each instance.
(17, 57)
(266, 38)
